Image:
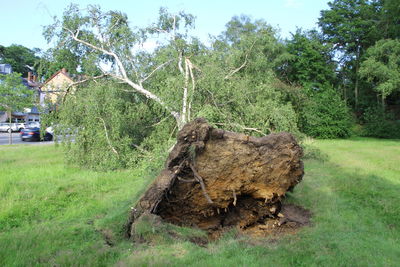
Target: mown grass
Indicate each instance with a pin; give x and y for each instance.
(55, 214)
(51, 213)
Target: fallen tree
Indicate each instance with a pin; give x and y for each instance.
(215, 178)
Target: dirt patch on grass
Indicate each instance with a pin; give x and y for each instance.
(292, 218)
(215, 180)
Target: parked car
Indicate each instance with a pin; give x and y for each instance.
(15, 127)
(20, 126)
(33, 134)
(32, 124)
(4, 127)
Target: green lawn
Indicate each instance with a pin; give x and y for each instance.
(52, 214)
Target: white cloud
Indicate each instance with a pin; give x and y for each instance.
(148, 46)
(293, 3)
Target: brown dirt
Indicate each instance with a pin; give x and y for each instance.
(215, 179)
(293, 218)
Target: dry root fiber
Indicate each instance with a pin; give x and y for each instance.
(215, 178)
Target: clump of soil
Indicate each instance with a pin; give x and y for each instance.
(215, 179)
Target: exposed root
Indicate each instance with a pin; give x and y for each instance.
(200, 180)
(234, 197)
(186, 180)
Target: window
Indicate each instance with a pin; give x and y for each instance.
(5, 68)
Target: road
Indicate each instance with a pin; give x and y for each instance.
(17, 140)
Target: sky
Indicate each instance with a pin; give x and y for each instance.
(22, 21)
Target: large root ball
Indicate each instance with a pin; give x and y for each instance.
(215, 178)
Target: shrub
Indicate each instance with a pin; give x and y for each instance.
(326, 115)
(311, 151)
(380, 123)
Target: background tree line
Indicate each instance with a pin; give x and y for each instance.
(331, 82)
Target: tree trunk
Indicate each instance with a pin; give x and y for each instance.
(356, 90)
(10, 130)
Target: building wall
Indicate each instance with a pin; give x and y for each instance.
(55, 88)
(32, 117)
(3, 116)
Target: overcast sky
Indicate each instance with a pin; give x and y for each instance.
(22, 21)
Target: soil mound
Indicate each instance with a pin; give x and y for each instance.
(215, 179)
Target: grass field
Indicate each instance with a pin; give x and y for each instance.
(52, 214)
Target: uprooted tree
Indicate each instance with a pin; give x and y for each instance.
(215, 178)
(155, 92)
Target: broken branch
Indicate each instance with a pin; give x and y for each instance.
(123, 76)
(241, 66)
(108, 139)
(241, 126)
(156, 69)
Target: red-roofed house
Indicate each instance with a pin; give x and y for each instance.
(54, 88)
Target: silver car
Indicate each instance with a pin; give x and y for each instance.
(32, 124)
(14, 127)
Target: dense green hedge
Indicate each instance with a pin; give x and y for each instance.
(380, 123)
(326, 115)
